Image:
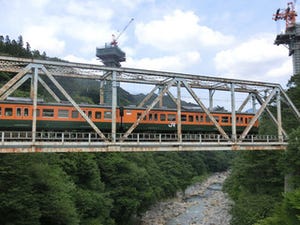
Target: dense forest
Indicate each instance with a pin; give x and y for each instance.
(91, 188)
(257, 179)
(115, 188)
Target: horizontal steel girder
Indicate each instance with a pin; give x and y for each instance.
(27, 147)
(130, 75)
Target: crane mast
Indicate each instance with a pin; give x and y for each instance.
(289, 15)
(291, 36)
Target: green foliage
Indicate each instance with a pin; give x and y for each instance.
(255, 185)
(293, 158)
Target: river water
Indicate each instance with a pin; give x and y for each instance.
(202, 203)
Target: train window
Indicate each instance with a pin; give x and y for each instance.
(183, 118)
(171, 117)
(201, 118)
(26, 112)
(153, 116)
(191, 118)
(19, 113)
(98, 115)
(75, 114)
(138, 115)
(162, 117)
(197, 118)
(8, 111)
(150, 116)
(89, 114)
(62, 113)
(0, 111)
(107, 114)
(48, 113)
(217, 118)
(225, 119)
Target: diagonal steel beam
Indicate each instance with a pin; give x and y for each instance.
(257, 115)
(290, 103)
(261, 101)
(15, 87)
(43, 83)
(193, 94)
(17, 77)
(76, 106)
(172, 97)
(244, 103)
(156, 100)
(148, 96)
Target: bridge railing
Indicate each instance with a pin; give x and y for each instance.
(90, 137)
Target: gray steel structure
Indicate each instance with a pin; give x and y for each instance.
(264, 93)
(291, 38)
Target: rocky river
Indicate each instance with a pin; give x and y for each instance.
(201, 204)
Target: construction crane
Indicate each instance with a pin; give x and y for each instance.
(115, 39)
(289, 15)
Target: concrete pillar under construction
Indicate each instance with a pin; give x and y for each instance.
(291, 38)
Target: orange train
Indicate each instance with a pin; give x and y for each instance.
(64, 117)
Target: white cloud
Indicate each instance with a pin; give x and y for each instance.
(73, 58)
(178, 62)
(179, 31)
(44, 39)
(257, 59)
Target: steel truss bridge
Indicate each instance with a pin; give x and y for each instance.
(262, 93)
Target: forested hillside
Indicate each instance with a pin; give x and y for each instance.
(90, 188)
(256, 183)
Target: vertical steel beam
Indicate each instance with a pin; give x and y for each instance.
(257, 115)
(161, 101)
(253, 103)
(233, 113)
(101, 92)
(114, 107)
(279, 126)
(211, 103)
(34, 100)
(193, 94)
(87, 119)
(179, 127)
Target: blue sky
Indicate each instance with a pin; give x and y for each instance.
(231, 38)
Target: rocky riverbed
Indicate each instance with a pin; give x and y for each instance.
(201, 204)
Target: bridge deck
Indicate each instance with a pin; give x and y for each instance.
(19, 142)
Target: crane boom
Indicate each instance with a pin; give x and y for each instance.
(289, 15)
(115, 39)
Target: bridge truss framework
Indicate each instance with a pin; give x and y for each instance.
(261, 92)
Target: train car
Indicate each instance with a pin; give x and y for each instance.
(64, 117)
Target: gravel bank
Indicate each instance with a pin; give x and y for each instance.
(202, 204)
